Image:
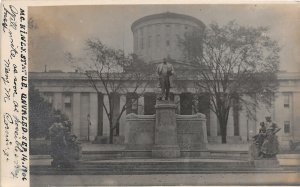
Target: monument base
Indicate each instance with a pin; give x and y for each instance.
(166, 151)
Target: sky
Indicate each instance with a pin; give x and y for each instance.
(62, 29)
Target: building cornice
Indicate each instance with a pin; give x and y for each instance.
(288, 75)
(167, 15)
(81, 76)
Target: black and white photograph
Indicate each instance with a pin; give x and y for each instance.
(164, 94)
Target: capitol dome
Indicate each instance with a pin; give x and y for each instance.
(157, 36)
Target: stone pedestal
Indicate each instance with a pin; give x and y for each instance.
(165, 131)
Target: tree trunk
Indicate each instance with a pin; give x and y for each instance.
(111, 135)
(224, 135)
(111, 132)
(223, 128)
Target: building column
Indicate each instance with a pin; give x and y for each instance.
(213, 124)
(252, 128)
(100, 115)
(243, 124)
(177, 102)
(141, 105)
(76, 114)
(294, 125)
(58, 101)
(105, 117)
(123, 116)
(230, 127)
(93, 115)
(279, 114)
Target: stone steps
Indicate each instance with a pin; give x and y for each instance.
(160, 164)
(150, 167)
(116, 154)
(148, 172)
(101, 155)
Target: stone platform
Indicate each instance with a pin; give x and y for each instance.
(165, 134)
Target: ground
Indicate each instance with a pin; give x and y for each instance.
(287, 174)
(158, 180)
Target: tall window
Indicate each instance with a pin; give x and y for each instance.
(67, 100)
(287, 127)
(149, 41)
(286, 100)
(168, 38)
(68, 104)
(132, 103)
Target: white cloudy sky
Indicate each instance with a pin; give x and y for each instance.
(65, 28)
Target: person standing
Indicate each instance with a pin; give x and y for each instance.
(164, 71)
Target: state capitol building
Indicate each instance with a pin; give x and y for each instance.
(156, 37)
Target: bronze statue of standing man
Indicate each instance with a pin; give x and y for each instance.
(164, 71)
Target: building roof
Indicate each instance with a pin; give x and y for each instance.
(167, 15)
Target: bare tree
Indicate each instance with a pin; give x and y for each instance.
(111, 72)
(234, 63)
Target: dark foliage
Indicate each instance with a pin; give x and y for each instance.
(234, 63)
(41, 115)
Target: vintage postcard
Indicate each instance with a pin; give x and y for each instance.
(124, 93)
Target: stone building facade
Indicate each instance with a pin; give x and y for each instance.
(71, 93)
(155, 38)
